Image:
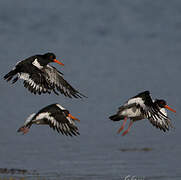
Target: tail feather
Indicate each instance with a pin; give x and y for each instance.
(115, 117)
(10, 75)
(26, 126)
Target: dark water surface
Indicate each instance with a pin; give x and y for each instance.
(111, 50)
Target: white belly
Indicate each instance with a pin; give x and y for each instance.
(131, 112)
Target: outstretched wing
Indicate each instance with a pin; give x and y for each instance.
(64, 125)
(158, 118)
(57, 82)
(58, 121)
(35, 82)
(34, 78)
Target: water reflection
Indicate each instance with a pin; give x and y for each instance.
(17, 171)
(145, 149)
(18, 174)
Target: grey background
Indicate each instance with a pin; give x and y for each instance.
(112, 50)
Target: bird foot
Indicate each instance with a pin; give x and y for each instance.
(23, 129)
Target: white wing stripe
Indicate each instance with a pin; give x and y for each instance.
(137, 100)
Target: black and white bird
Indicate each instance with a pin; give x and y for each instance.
(39, 77)
(54, 115)
(141, 107)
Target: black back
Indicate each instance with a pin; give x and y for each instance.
(55, 111)
(146, 98)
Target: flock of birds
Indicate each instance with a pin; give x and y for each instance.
(40, 77)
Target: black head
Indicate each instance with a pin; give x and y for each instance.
(162, 104)
(66, 112)
(50, 57)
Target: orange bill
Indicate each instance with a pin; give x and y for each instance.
(72, 117)
(58, 62)
(167, 107)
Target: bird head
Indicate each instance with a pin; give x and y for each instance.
(52, 58)
(162, 104)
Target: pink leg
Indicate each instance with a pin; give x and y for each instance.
(122, 127)
(125, 132)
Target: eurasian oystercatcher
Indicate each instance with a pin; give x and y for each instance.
(39, 77)
(54, 115)
(141, 107)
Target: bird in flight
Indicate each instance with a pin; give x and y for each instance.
(54, 115)
(141, 107)
(40, 77)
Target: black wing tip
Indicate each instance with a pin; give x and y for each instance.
(83, 96)
(69, 133)
(77, 94)
(5, 77)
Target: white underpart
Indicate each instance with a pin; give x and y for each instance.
(163, 111)
(131, 112)
(137, 100)
(37, 64)
(29, 119)
(43, 115)
(60, 107)
(47, 115)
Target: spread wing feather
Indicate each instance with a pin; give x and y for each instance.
(43, 80)
(58, 121)
(158, 118)
(58, 83)
(65, 127)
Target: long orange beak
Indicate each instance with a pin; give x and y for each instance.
(167, 107)
(72, 117)
(58, 62)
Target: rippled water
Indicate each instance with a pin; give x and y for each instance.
(112, 50)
